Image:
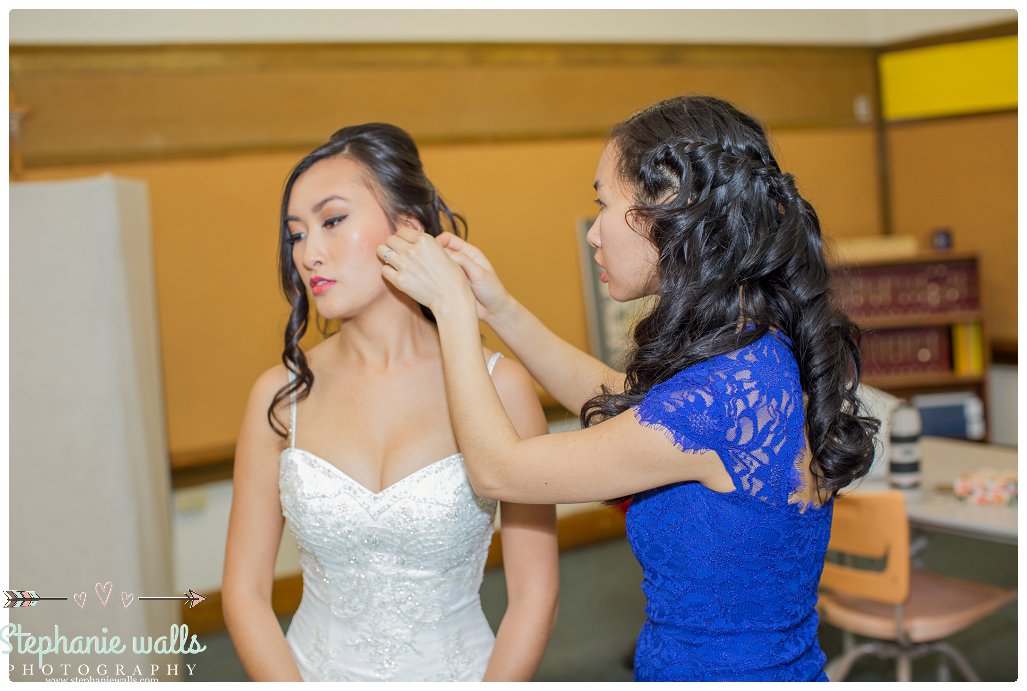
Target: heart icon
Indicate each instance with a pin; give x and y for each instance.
(80, 599)
(126, 598)
(104, 592)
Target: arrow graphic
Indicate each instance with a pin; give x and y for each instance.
(193, 598)
(25, 598)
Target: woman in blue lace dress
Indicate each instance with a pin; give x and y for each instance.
(736, 420)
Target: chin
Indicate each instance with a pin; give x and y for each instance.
(344, 308)
(619, 295)
(337, 312)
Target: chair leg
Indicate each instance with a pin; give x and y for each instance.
(839, 668)
(904, 666)
(944, 673)
(961, 662)
(848, 641)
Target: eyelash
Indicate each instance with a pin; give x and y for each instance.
(329, 223)
(599, 203)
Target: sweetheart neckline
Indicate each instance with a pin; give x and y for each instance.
(343, 474)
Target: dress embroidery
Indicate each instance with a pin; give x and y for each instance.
(390, 579)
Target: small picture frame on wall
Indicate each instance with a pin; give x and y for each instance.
(610, 323)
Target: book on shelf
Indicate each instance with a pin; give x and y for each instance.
(920, 350)
(906, 289)
(967, 348)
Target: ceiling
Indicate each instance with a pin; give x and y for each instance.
(864, 27)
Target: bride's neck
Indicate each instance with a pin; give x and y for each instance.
(389, 332)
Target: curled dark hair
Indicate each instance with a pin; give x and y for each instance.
(737, 245)
(395, 174)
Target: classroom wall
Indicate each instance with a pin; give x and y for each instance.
(961, 173)
(215, 243)
(214, 221)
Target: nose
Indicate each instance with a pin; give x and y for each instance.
(592, 236)
(313, 251)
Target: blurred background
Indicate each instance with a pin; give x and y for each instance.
(899, 126)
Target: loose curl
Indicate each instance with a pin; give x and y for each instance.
(395, 174)
(740, 254)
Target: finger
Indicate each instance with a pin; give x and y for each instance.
(459, 244)
(398, 243)
(470, 267)
(451, 240)
(390, 274)
(447, 238)
(407, 233)
(425, 246)
(389, 255)
(400, 247)
(453, 244)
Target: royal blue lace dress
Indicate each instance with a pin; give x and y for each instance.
(731, 578)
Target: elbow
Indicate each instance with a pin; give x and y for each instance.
(232, 605)
(483, 488)
(543, 604)
(554, 612)
(239, 601)
(550, 607)
(486, 479)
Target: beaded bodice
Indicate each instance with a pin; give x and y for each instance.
(390, 578)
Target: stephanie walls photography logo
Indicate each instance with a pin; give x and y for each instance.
(47, 655)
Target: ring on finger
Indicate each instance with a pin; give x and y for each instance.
(386, 254)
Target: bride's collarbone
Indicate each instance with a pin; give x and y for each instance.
(376, 429)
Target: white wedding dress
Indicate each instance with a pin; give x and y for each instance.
(390, 578)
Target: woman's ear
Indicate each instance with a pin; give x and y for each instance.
(409, 221)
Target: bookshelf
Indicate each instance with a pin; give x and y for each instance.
(923, 326)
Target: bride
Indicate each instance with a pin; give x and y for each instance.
(351, 444)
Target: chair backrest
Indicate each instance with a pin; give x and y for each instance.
(870, 526)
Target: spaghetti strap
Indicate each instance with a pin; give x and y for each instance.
(292, 414)
(493, 360)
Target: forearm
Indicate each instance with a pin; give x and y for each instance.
(522, 638)
(259, 641)
(486, 437)
(570, 375)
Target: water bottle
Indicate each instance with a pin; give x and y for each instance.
(904, 448)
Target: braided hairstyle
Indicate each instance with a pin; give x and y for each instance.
(395, 174)
(737, 245)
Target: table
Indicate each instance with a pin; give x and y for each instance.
(934, 508)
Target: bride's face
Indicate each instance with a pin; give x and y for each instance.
(335, 223)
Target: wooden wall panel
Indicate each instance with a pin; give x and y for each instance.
(836, 170)
(214, 225)
(101, 104)
(510, 134)
(961, 174)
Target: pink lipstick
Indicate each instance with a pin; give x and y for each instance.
(319, 284)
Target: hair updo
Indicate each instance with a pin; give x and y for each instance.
(396, 176)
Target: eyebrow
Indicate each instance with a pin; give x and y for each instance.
(320, 205)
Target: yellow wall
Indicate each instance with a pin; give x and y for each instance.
(214, 225)
(949, 79)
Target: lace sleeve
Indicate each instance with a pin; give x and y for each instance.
(746, 406)
(684, 409)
